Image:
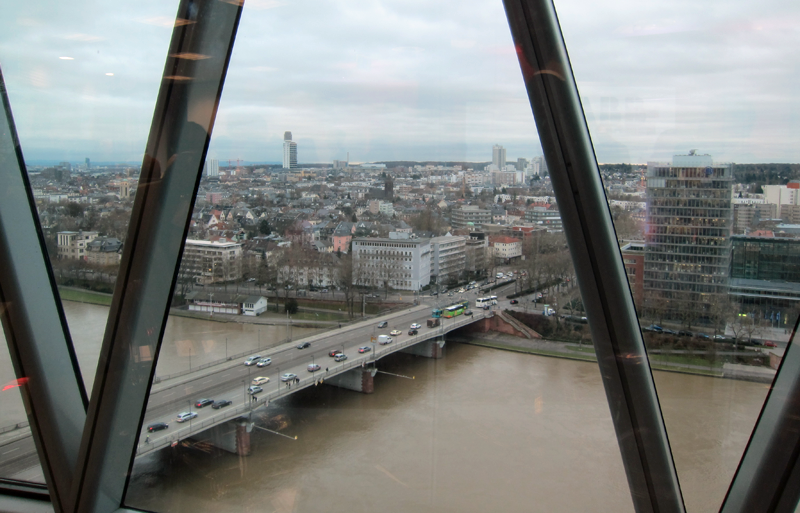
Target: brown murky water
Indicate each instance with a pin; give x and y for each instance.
(480, 430)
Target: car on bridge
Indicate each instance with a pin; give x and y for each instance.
(395, 333)
(221, 404)
(186, 416)
(158, 426)
(202, 403)
(415, 326)
(313, 367)
(340, 357)
(383, 324)
(334, 352)
(304, 345)
(253, 390)
(384, 339)
(289, 376)
(413, 332)
(260, 380)
(264, 362)
(364, 349)
(468, 313)
(252, 360)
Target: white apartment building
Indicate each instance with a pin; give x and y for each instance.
(72, 245)
(211, 261)
(505, 248)
(401, 264)
(448, 257)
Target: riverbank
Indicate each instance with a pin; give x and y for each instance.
(572, 351)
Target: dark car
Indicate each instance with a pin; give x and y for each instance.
(412, 332)
(383, 324)
(654, 328)
(158, 426)
(468, 313)
(304, 345)
(669, 331)
(514, 302)
(685, 333)
(334, 352)
(202, 403)
(221, 404)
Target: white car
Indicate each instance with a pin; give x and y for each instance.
(289, 376)
(186, 416)
(264, 362)
(252, 360)
(260, 380)
(384, 339)
(415, 326)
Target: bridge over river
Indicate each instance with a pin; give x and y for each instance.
(230, 379)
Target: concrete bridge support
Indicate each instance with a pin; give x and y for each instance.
(232, 436)
(429, 349)
(359, 379)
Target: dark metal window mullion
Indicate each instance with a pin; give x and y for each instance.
(186, 107)
(36, 329)
(621, 354)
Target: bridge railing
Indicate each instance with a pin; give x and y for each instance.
(163, 377)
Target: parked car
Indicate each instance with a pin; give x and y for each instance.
(304, 345)
(415, 326)
(334, 352)
(253, 390)
(364, 349)
(313, 367)
(264, 362)
(514, 302)
(770, 343)
(289, 376)
(685, 333)
(669, 331)
(395, 333)
(654, 328)
(221, 404)
(383, 324)
(260, 380)
(202, 403)
(340, 357)
(186, 416)
(157, 426)
(252, 360)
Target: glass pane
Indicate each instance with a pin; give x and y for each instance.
(18, 458)
(357, 184)
(82, 82)
(682, 120)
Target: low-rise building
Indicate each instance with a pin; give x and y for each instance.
(402, 264)
(103, 251)
(72, 245)
(505, 248)
(448, 258)
(211, 262)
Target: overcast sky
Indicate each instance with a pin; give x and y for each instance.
(412, 79)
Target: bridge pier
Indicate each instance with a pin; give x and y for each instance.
(359, 379)
(429, 349)
(232, 436)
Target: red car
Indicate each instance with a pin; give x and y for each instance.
(334, 352)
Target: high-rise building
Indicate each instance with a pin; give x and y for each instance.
(499, 157)
(289, 151)
(687, 243)
(211, 168)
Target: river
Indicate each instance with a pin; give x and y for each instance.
(479, 430)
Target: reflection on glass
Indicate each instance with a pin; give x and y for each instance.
(82, 110)
(18, 458)
(706, 230)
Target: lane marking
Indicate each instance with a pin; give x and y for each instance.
(12, 450)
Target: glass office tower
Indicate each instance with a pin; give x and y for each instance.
(688, 248)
